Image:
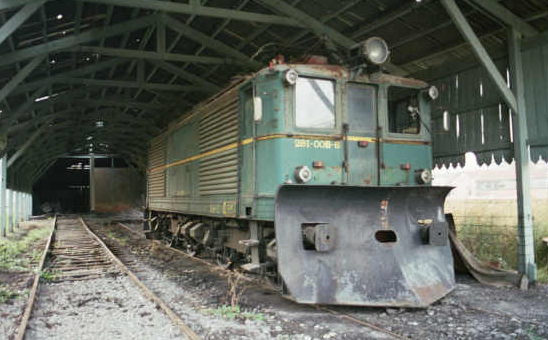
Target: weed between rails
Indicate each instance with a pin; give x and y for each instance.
(18, 255)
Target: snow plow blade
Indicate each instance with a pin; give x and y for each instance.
(363, 246)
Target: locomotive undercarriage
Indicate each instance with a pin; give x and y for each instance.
(246, 245)
(345, 245)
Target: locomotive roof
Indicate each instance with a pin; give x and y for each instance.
(338, 71)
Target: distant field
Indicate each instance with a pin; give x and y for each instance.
(489, 229)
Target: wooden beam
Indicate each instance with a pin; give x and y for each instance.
(527, 43)
(216, 45)
(42, 170)
(20, 76)
(6, 4)
(120, 102)
(506, 16)
(18, 19)
(133, 84)
(161, 36)
(179, 72)
(78, 17)
(175, 7)
(48, 81)
(386, 18)
(3, 205)
(28, 142)
(480, 52)
(321, 29)
(526, 241)
(140, 54)
(22, 109)
(87, 36)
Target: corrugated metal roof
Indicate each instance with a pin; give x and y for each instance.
(136, 94)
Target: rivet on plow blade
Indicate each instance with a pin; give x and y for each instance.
(362, 266)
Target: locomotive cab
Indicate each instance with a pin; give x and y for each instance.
(349, 158)
(365, 131)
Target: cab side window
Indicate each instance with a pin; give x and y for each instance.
(403, 110)
(314, 103)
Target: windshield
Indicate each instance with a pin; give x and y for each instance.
(403, 110)
(314, 103)
(360, 108)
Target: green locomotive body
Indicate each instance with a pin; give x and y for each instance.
(315, 173)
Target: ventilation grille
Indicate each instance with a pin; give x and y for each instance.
(218, 129)
(156, 158)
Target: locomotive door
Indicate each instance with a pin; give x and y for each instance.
(361, 146)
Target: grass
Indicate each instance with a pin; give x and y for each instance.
(234, 312)
(19, 254)
(122, 240)
(488, 228)
(50, 275)
(543, 275)
(231, 310)
(533, 335)
(7, 294)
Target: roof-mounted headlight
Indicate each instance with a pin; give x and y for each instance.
(375, 50)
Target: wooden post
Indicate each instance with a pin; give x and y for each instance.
(3, 203)
(10, 210)
(91, 184)
(516, 101)
(526, 245)
(16, 211)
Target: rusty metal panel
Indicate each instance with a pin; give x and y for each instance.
(219, 133)
(535, 68)
(156, 181)
(116, 189)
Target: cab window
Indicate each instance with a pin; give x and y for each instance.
(360, 108)
(403, 110)
(314, 103)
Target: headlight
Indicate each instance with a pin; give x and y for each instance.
(375, 50)
(291, 76)
(433, 93)
(423, 176)
(303, 174)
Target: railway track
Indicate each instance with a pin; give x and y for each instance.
(327, 309)
(75, 253)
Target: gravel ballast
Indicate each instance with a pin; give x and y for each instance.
(103, 308)
(472, 311)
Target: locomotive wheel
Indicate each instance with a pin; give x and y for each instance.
(173, 242)
(226, 259)
(190, 250)
(273, 280)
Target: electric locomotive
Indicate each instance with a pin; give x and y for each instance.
(318, 175)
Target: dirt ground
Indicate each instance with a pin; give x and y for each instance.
(471, 311)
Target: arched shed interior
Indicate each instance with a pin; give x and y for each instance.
(103, 77)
